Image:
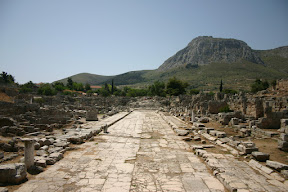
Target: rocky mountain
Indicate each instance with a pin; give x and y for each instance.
(206, 50)
(203, 63)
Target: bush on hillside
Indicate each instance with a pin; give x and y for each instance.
(259, 85)
(176, 87)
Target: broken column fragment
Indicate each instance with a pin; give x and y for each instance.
(29, 152)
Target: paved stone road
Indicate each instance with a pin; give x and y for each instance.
(140, 153)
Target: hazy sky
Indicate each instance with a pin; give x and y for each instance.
(44, 41)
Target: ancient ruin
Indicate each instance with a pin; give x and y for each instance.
(184, 143)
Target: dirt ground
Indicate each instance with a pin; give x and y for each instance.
(269, 145)
(5, 97)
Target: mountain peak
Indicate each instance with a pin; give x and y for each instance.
(205, 50)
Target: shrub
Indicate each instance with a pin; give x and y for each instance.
(225, 109)
(211, 93)
(258, 85)
(25, 90)
(230, 91)
(194, 91)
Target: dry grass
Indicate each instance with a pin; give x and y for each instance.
(4, 97)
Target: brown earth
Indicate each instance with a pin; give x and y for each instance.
(265, 145)
(6, 98)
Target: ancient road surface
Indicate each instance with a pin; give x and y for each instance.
(140, 153)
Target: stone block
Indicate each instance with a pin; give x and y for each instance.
(91, 115)
(1, 155)
(276, 165)
(6, 121)
(181, 132)
(75, 139)
(249, 150)
(260, 156)
(187, 139)
(47, 142)
(41, 163)
(248, 144)
(45, 148)
(61, 144)
(245, 132)
(285, 173)
(203, 120)
(36, 146)
(56, 156)
(220, 134)
(213, 132)
(225, 140)
(283, 145)
(12, 173)
(41, 152)
(284, 137)
(197, 124)
(284, 122)
(197, 138)
(29, 129)
(234, 121)
(3, 189)
(208, 129)
(41, 141)
(50, 161)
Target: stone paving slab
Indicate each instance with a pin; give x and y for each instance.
(166, 163)
(140, 153)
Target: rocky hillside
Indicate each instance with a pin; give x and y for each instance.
(206, 50)
(204, 62)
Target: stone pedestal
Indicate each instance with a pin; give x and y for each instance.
(29, 152)
(105, 129)
(192, 116)
(92, 115)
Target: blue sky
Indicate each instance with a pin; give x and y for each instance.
(44, 41)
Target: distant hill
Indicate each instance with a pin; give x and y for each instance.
(203, 63)
(84, 78)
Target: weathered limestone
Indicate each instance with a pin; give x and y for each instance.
(239, 176)
(283, 142)
(276, 165)
(260, 156)
(12, 173)
(29, 152)
(247, 147)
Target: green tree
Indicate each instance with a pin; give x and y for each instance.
(70, 83)
(221, 86)
(259, 85)
(87, 87)
(274, 83)
(136, 92)
(6, 78)
(59, 86)
(28, 87)
(176, 87)
(157, 88)
(112, 87)
(46, 89)
(78, 86)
